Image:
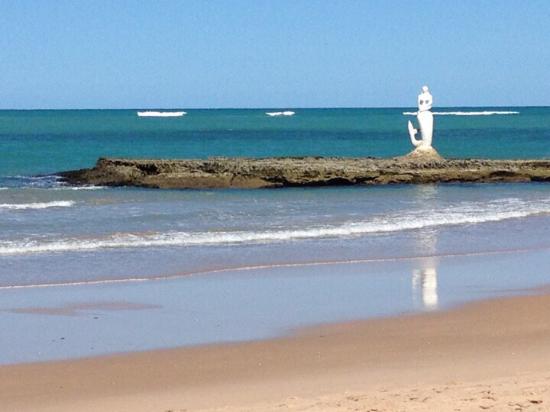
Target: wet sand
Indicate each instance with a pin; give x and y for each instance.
(250, 303)
(486, 355)
(77, 309)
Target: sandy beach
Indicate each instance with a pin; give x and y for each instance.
(493, 354)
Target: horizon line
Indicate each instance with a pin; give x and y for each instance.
(264, 108)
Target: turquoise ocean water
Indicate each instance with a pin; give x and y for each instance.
(242, 264)
(45, 141)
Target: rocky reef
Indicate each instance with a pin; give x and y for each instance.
(304, 171)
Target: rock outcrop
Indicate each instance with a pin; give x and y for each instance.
(304, 171)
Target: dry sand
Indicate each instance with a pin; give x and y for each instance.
(492, 355)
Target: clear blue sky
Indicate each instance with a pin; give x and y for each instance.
(282, 53)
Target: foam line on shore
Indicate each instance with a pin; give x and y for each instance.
(36, 205)
(269, 266)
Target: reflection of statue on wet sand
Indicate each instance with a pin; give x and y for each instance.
(426, 121)
(424, 275)
(425, 280)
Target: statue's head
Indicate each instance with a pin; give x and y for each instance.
(425, 100)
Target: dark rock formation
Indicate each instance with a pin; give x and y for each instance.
(304, 171)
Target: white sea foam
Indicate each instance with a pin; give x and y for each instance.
(79, 188)
(470, 213)
(285, 113)
(37, 205)
(482, 113)
(151, 113)
(87, 187)
(3, 188)
(38, 182)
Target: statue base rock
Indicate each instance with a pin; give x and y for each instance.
(424, 153)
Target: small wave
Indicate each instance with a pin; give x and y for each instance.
(458, 215)
(79, 188)
(285, 113)
(482, 113)
(39, 182)
(4, 188)
(87, 188)
(150, 113)
(37, 205)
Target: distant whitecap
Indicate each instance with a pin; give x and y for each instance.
(285, 113)
(481, 113)
(149, 113)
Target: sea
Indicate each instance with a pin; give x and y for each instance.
(165, 268)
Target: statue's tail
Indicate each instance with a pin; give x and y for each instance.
(412, 134)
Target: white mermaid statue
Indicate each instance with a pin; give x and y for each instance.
(425, 120)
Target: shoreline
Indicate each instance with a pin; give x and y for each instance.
(377, 361)
(279, 265)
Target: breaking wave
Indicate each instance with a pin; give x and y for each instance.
(481, 113)
(37, 205)
(151, 113)
(34, 182)
(285, 113)
(470, 213)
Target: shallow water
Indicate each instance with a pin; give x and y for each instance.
(66, 236)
